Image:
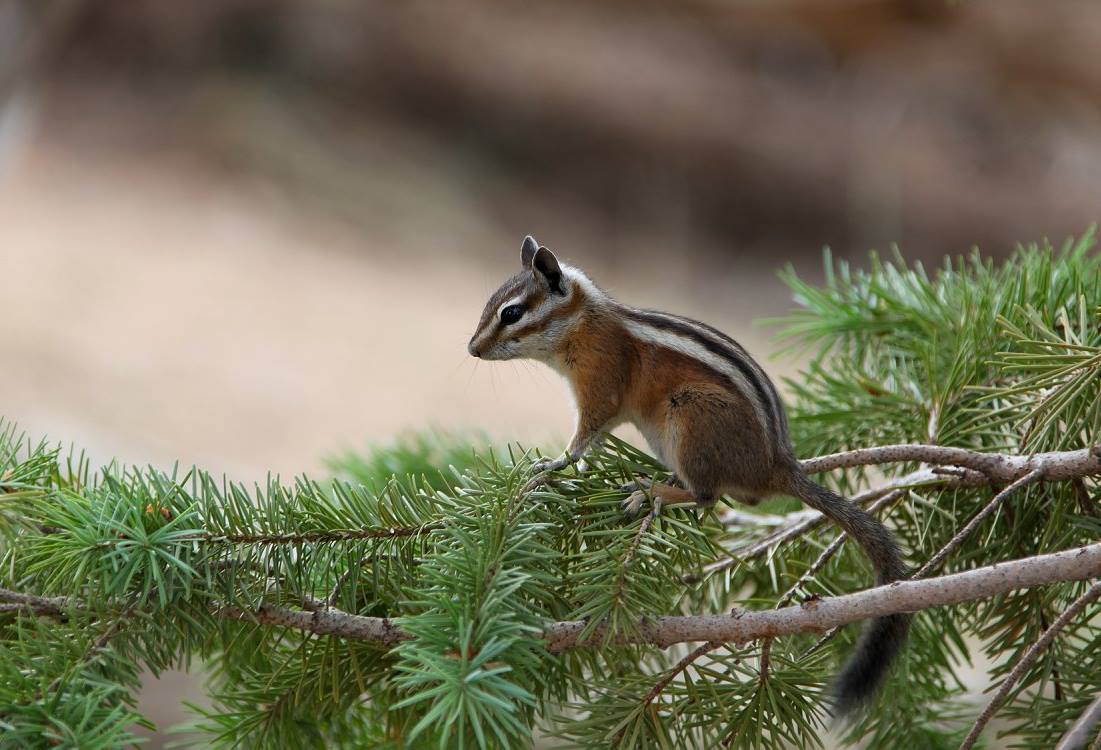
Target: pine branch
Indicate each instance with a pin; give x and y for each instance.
(1079, 734)
(822, 614)
(309, 537)
(54, 606)
(1001, 468)
(1026, 662)
(740, 626)
(979, 467)
(322, 621)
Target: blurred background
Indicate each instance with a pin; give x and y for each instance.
(248, 234)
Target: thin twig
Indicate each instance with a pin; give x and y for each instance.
(1086, 504)
(1079, 734)
(734, 517)
(643, 527)
(1026, 662)
(677, 669)
(668, 677)
(961, 536)
(1057, 681)
(341, 582)
(832, 549)
(55, 606)
(766, 652)
(97, 648)
(805, 521)
(802, 522)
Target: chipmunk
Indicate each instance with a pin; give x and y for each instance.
(706, 408)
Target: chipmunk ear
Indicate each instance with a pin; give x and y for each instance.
(545, 266)
(528, 250)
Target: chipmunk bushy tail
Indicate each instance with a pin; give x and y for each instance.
(883, 637)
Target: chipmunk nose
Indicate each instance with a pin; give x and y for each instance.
(473, 349)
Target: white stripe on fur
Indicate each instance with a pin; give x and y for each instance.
(690, 348)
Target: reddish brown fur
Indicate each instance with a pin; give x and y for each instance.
(677, 402)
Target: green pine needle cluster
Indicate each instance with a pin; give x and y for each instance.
(434, 533)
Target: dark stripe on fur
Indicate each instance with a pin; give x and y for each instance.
(506, 290)
(735, 355)
(564, 310)
(774, 396)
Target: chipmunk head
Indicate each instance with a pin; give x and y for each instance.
(528, 316)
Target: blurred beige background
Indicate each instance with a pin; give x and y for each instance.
(247, 234)
(158, 312)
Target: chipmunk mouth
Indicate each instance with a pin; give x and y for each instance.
(482, 349)
(498, 351)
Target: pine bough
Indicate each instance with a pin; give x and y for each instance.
(437, 596)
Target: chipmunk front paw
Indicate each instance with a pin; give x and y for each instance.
(556, 464)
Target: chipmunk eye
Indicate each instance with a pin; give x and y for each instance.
(511, 314)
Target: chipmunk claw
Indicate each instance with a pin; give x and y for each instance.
(556, 464)
(642, 483)
(645, 483)
(633, 504)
